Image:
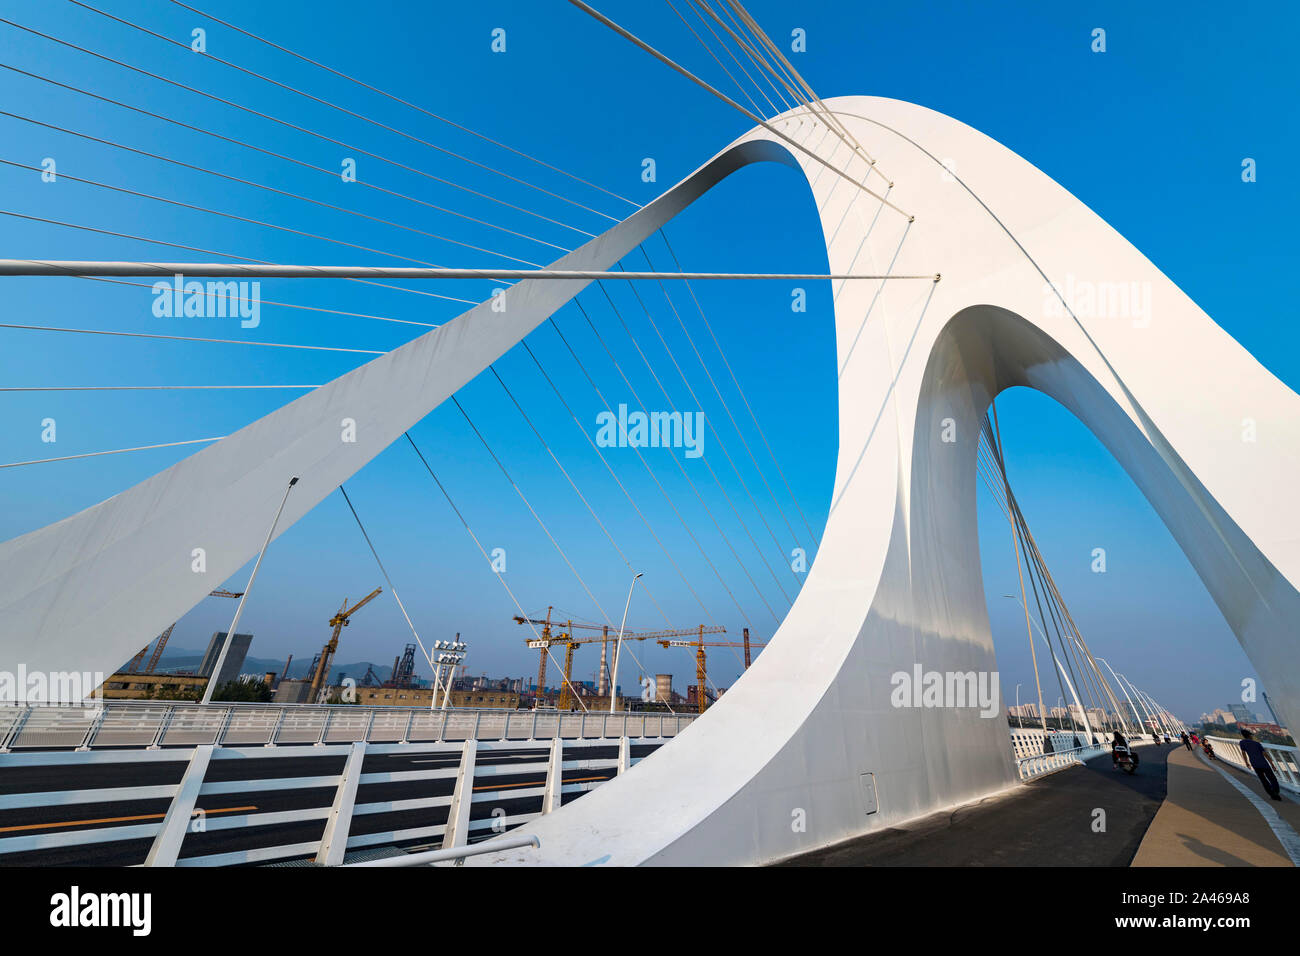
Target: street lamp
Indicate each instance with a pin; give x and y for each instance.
(239, 610)
(449, 653)
(618, 645)
(1019, 716)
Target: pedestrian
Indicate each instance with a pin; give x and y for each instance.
(1187, 741)
(1253, 751)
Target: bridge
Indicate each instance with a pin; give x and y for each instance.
(953, 281)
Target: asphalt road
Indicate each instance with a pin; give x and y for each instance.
(1046, 822)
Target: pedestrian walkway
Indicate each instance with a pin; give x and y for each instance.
(1207, 821)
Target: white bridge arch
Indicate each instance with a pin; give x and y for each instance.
(896, 580)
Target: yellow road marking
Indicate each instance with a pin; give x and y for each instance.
(82, 823)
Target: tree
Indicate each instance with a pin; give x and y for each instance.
(243, 691)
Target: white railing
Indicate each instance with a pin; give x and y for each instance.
(540, 772)
(1031, 761)
(1285, 760)
(129, 723)
(1040, 765)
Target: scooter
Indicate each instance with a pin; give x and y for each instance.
(1124, 759)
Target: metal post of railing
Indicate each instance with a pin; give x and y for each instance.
(532, 734)
(225, 725)
(370, 725)
(275, 731)
(15, 730)
(478, 718)
(93, 729)
(442, 728)
(582, 726)
(162, 728)
(552, 793)
(325, 727)
(406, 734)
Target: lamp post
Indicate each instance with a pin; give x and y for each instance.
(239, 610)
(618, 645)
(1020, 720)
(449, 653)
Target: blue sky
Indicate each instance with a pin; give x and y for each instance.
(1151, 134)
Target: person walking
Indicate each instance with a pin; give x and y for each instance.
(1253, 751)
(1187, 741)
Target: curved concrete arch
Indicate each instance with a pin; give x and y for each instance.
(798, 751)
(807, 748)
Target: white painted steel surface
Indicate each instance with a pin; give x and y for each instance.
(897, 578)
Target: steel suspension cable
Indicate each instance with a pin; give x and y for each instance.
(582, 428)
(406, 103)
(387, 580)
(691, 391)
(644, 408)
(178, 245)
(333, 174)
(501, 577)
(659, 484)
(345, 110)
(589, 10)
(709, 50)
(726, 408)
(285, 123)
(744, 398)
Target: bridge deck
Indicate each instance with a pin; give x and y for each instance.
(1206, 821)
(1178, 810)
(1047, 822)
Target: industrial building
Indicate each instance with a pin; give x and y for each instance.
(234, 661)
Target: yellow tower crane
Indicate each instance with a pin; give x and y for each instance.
(701, 665)
(338, 622)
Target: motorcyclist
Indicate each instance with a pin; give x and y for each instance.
(1120, 741)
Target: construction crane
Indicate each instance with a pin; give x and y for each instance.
(571, 643)
(701, 665)
(548, 639)
(338, 622)
(162, 638)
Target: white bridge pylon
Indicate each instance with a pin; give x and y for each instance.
(806, 749)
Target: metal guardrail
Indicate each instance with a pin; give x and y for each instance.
(1040, 765)
(346, 811)
(153, 724)
(1285, 760)
(442, 856)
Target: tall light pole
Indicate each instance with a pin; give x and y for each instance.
(1019, 716)
(450, 653)
(239, 610)
(618, 645)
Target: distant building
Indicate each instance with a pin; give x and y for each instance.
(292, 692)
(423, 697)
(234, 661)
(1240, 712)
(123, 686)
